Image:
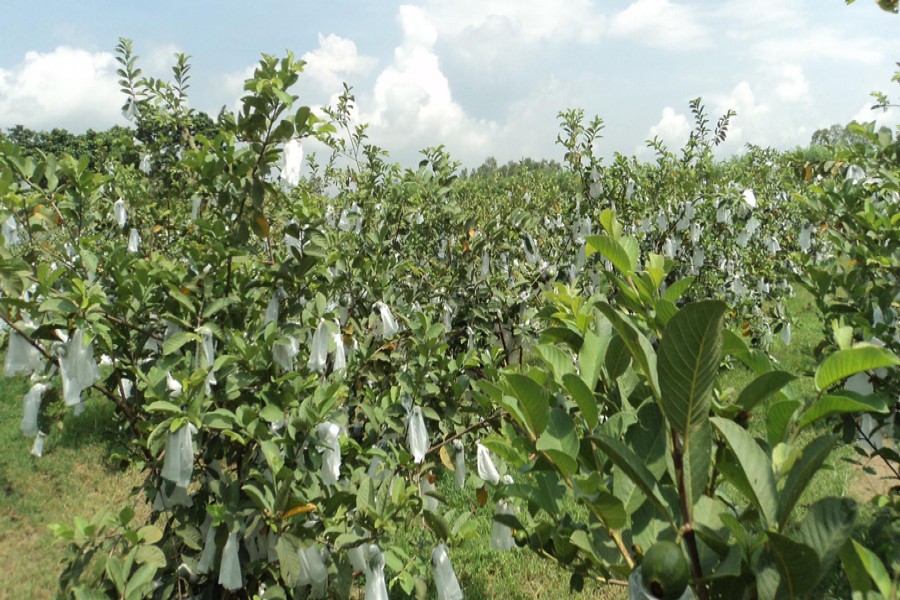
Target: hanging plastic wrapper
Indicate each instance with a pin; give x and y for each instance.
(444, 577)
(120, 213)
(750, 198)
(283, 353)
(208, 348)
(272, 309)
(145, 164)
(389, 327)
(134, 240)
(37, 448)
(486, 469)
(196, 201)
(313, 571)
(330, 447)
(179, 461)
(318, 354)
(340, 353)
(293, 162)
(785, 334)
(805, 238)
(376, 588)
(21, 357)
(502, 538)
(78, 369)
(428, 489)
(10, 231)
(173, 385)
(230, 568)
(417, 435)
(459, 464)
(31, 408)
(167, 501)
(208, 556)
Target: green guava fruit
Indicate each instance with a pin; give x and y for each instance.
(665, 570)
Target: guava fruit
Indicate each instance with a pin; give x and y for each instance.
(665, 570)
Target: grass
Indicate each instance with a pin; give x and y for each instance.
(76, 477)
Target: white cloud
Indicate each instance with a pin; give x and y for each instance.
(67, 87)
(335, 60)
(660, 23)
(159, 61)
(531, 20)
(793, 86)
(411, 105)
(823, 44)
(673, 128)
(882, 118)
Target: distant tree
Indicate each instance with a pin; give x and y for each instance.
(116, 144)
(837, 135)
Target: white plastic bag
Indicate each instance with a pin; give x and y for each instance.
(417, 435)
(389, 327)
(750, 198)
(31, 408)
(37, 448)
(208, 355)
(120, 213)
(134, 240)
(178, 464)
(77, 368)
(318, 354)
(208, 556)
(313, 571)
(284, 351)
(459, 464)
(173, 385)
(501, 535)
(10, 231)
(293, 162)
(330, 447)
(486, 468)
(21, 357)
(230, 568)
(444, 577)
(427, 489)
(376, 588)
(340, 353)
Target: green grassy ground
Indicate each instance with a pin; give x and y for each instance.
(75, 477)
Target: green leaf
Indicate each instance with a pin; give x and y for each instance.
(811, 459)
(640, 347)
(631, 465)
(844, 363)
(762, 387)
(835, 404)
(755, 466)
(438, 524)
(796, 562)
(534, 401)
(584, 399)
(689, 357)
(288, 558)
(675, 291)
(176, 341)
(622, 256)
(151, 555)
(141, 582)
(826, 529)
(778, 418)
(593, 352)
(164, 406)
(697, 459)
(559, 361)
(559, 442)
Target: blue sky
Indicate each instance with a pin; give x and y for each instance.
(485, 78)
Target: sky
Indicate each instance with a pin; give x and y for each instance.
(482, 77)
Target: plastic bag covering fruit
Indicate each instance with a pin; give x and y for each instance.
(134, 240)
(389, 327)
(208, 556)
(179, 461)
(330, 447)
(444, 577)
(293, 162)
(230, 569)
(208, 356)
(78, 369)
(10, 232)
(417, 435)
(31, 408)
(312, 571)
(173, 385)
(37, 448)
(501, 535)
(120, 213)
(318, 354)
(428, 489)
(459, 463)
(284, 351)
(376, 589)
(340, 353)
(21, 357)
(664, 571)
(486, 468)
